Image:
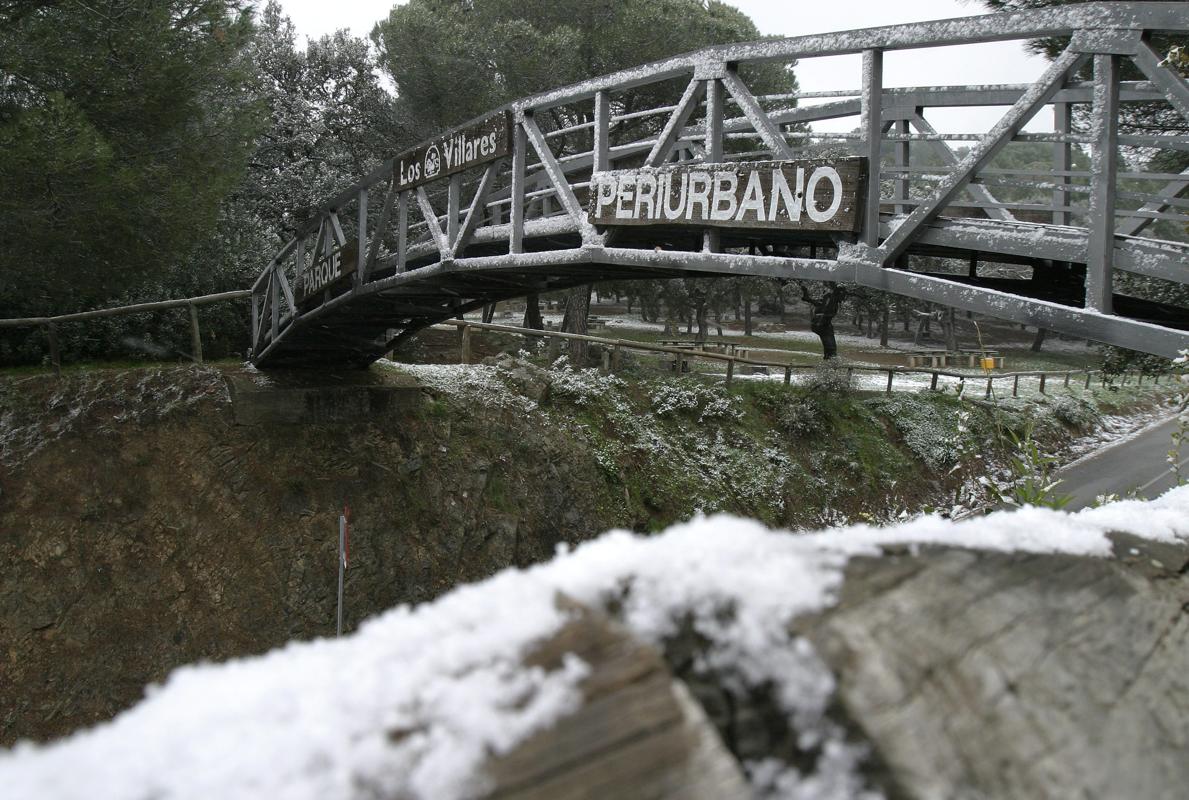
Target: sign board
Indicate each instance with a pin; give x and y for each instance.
(476, 144)
(817, 194)
(327, 270)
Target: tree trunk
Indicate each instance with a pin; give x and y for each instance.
(532, 312)
(825, 331)
(821, 321)
(747, 316)
(700, 319)
(883, 327)
(574, 321)
(948, 327)
(1039, 341)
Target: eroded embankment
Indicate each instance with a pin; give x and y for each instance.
(147, 521)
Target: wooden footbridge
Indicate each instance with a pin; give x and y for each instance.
(575, 186)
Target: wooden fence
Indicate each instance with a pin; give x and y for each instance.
(681, 355)
(50, 324)
(610, 354)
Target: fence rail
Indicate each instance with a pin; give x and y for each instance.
(682, 355)
(51, 331)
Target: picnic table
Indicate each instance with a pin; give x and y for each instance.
(960, 357)
(727, 348)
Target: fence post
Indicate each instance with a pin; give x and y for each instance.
(730, 370)
(1066, 380)
(1042, 383)
(616, 358)
(788, 374)
(1089, 375)
(51, 332)
(1140, 379)
(961, 387)
(890, 374)
(1015, 386)
(987, 394)
(195, 335)
(933, 383)
(465, 347)
(606, 361)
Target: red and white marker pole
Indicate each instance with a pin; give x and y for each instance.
(344, 555)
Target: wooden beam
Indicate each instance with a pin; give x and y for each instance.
(459, 242)
(431, 221)
(1104, 168)
(600, 146)
(673, 127)
(1037, 95)
(516, 212)
(756, 115)
(871, 126)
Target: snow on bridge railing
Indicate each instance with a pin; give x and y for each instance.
(535, 184)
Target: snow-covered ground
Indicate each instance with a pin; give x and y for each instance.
(413, 703)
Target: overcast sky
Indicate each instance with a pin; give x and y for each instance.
(1001, 62)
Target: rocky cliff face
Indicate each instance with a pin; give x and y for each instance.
(143, 528)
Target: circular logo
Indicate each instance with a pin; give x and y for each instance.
(433, 161)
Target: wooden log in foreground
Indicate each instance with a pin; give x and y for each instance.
(638, 734)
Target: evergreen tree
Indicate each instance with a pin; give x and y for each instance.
(123, 124)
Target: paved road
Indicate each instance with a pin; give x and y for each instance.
(1138, 462)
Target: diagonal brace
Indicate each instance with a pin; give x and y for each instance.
(676, 124)
(1172, 85)
(435, 227)
(1029, 103)
(475, 210)
(756, 115)
(1171, 191)
(557, 176)
(949, 157)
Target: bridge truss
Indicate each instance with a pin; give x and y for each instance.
(519, 225)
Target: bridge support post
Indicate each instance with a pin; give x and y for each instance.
(1103, 171)
(902, 154)
(1062, 163)
(871, 124)
(516, 211)
(465, 345)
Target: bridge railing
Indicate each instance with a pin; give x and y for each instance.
(700, 107)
